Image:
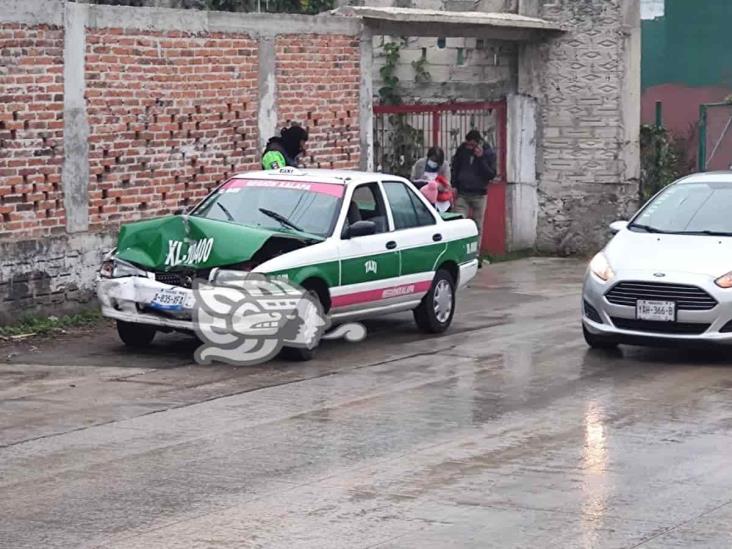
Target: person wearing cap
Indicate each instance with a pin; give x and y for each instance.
(284, 150)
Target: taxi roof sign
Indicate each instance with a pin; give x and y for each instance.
(289, 170)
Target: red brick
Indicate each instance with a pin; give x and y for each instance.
(35, 100)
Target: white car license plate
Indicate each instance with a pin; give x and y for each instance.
(659, 311)
(170, 299)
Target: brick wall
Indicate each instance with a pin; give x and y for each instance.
(171, 100)
(170, 114)
(170, 117)
(31, 130)
(319, 88)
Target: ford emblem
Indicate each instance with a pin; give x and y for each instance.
(659, 275)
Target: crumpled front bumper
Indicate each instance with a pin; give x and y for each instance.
(214, 312)
(128, 298)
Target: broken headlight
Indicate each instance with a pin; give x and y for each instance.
(115, 268)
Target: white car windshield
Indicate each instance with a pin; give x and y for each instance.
(689, 208)
(276, 205)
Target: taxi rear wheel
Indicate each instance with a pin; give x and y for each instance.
(435, 312)
(135, 335)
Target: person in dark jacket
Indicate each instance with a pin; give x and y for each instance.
(473, 168)
(284, 150)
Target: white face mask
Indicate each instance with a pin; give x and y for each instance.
(432, 164)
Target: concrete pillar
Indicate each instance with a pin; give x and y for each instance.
(267, 120)
(521, 199)
(366, 101)
(75, 173)
(631, 90)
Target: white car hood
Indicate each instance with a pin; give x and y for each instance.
(667, 253)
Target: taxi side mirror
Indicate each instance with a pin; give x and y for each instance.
(360, 228)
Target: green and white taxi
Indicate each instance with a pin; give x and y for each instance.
(365, 243)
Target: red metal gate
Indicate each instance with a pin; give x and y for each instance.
(403, 133)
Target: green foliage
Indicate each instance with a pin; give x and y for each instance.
(405, 147)
(663, 159)
(405, 143)
(389, 92)
(421, 75)
(37, 325)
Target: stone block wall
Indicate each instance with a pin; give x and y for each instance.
(114, 114)
(463, 69)
(574, 105)
(587, 85)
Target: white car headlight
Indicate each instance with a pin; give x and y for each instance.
(724, 281)
(115, 268)
(600, 267)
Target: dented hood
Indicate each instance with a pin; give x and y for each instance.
(188, 241)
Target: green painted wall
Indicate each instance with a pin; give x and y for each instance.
(691, 44)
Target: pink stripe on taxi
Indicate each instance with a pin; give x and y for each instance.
(321, 188)
(382, 293)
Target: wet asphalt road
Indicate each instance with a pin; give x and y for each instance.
(506, 432)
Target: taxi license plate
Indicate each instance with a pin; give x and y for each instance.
(658, 311)
(169, 299)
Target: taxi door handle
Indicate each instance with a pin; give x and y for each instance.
(437, 237)
(390, 245)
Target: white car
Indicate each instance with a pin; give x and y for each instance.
(666, 276)
(365, 243)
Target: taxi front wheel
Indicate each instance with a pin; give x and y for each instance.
(434, 314)
(303, 354)
(135, 335)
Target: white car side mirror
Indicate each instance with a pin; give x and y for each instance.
(618, 226)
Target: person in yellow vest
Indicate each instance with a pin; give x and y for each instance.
(284, 150)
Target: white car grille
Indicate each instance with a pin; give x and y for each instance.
(687, 298)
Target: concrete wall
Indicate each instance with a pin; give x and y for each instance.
(574, 112)
(463, 69)
(587, 86)
(521, 191)
(112, 114)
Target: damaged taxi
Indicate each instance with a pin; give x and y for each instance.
(364, 243)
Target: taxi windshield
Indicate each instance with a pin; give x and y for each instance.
(275, 205)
